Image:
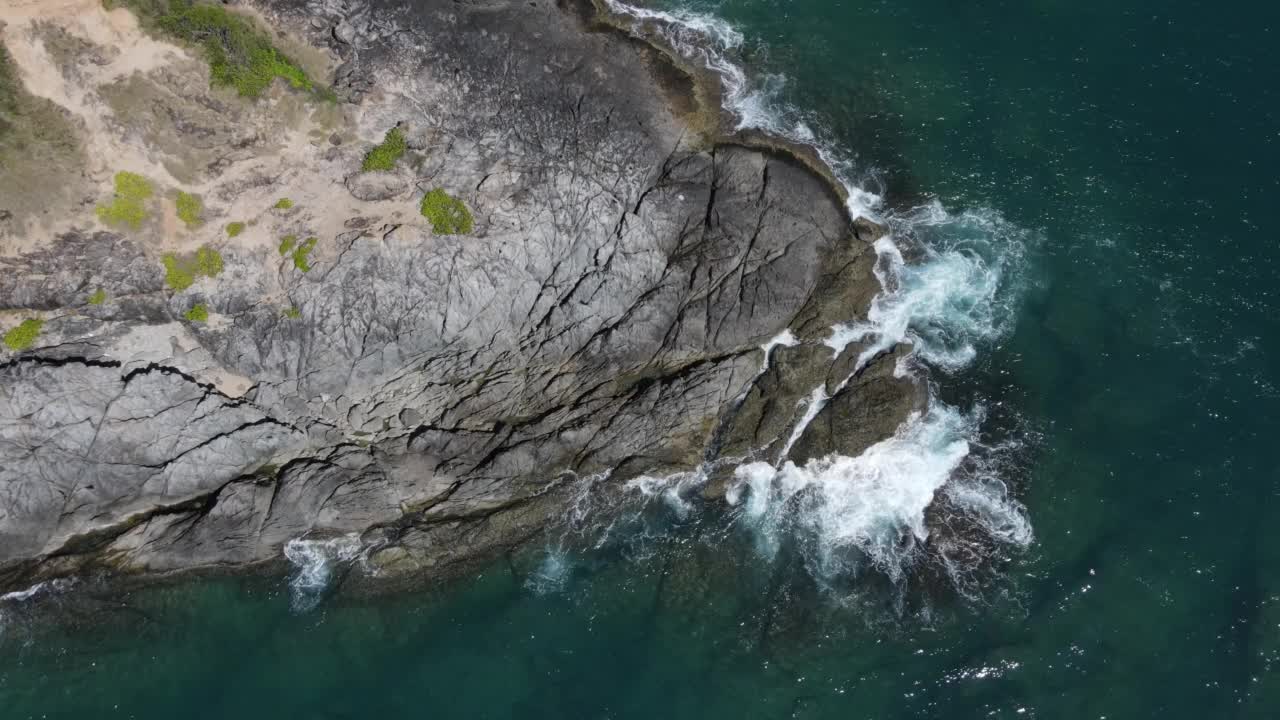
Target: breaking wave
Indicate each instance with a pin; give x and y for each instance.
(314, 562)
(949, 281)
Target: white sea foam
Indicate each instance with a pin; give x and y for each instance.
(864, 509)
(673, 490)
(954, 298)
(314, 562)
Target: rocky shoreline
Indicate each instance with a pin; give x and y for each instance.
(435, 395)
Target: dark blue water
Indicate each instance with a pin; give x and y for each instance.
(1118, 161)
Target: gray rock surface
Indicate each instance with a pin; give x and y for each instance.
(435, 391)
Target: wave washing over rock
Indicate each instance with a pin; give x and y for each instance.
(869, 511)
(312, 370)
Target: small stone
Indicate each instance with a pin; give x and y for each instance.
(335, 139)
(372, 186)
(344, 33)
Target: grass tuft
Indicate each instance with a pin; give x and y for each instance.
(385, 155)
(287, 243)
(24, 335)
(448, 215)
(292, 312)
(128, 207)
(197, 313)
(189, 209)
(98, 297)
(235, 228)
(283, 204)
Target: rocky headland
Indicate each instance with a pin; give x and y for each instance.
(404, 278)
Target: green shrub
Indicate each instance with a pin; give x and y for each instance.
(24, 335)
(98, 297)
(301, 253)
(189, 208)
(208, 261)
(287, 243)
(385, 155)
(177, 274)
(181, 272)
(448, 215)
(292, 312)
(197, 313)
(283, 204)
(235, 228)
(239, 54)
(128, 207)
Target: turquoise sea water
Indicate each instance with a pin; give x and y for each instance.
(1110, 254)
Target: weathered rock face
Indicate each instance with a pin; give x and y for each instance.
(429, 391)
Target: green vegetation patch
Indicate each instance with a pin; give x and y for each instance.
(448, 214)
(197, 313)
(292, 312)
(240, 55)
(208, 261)
(128, 207)
(301, 252)
(98, 297)
(181, 272)
(283, 204)
(385, 155)
(235, 228)
(288, 243)
(24, 335)
(189, 209)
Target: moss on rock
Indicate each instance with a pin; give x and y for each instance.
(198, 313)
(24, 335)
(301, 252)
(386, 154)
(448, 215)
(181, 272)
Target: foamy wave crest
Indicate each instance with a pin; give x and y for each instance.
(17, 599)
(855, 514)
(48, 587)
(314, 562)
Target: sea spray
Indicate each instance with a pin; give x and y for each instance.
(579, 526)
(314, 562)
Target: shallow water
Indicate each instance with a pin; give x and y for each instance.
(1094, 306)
